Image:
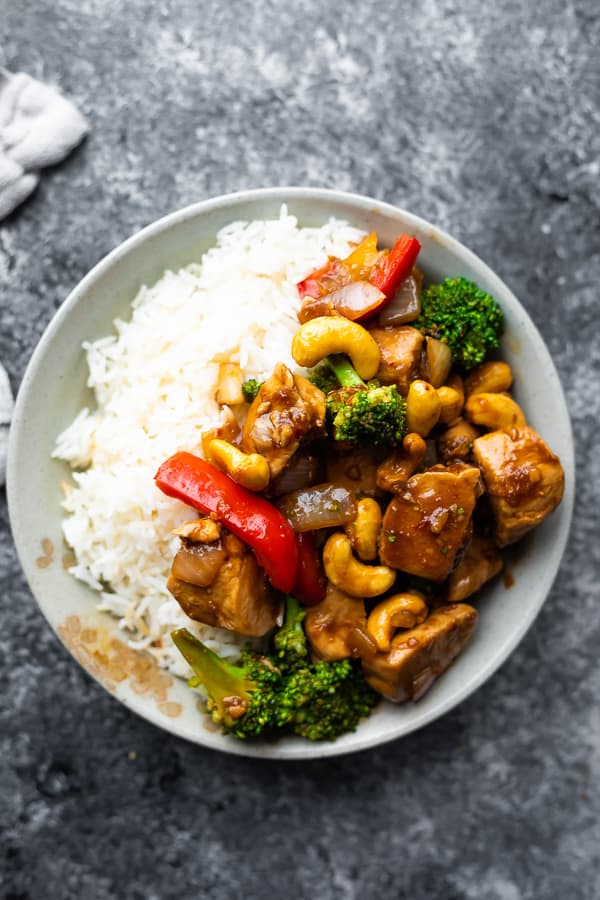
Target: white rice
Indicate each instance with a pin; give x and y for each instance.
(154, 382)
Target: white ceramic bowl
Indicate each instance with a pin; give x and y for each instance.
(54, 389)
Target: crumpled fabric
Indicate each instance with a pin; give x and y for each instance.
(38, 128)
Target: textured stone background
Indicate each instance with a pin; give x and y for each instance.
(485, 118)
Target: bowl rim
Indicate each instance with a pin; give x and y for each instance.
(284, 194)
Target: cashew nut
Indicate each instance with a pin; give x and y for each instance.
(364, 530)
(489, 378)
(414, 449)
(251, 470)
(423, 407)
(350, 575)
(493, 411)
(395, 471)
(452, 398)
(398, 611)
(451, 401)
(326, 335)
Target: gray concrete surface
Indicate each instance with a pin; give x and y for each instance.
(485, 118)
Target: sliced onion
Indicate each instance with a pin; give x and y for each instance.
(321, 506)
(405, 305)
(301, 471)
(229, 385)
(438, 361)
(357, 301)
(198, 563)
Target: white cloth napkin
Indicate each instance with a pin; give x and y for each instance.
(38, 128)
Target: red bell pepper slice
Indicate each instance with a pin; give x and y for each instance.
(311, 584)
(247, 515)
(330, 277)
(309, 287)
(390, 271)
(338, 272)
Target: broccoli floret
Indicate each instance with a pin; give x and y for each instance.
(318, 700)
(326, 699)
(279, 693)
(242, 699)
(364, 413)
(463, 316)
(373, 416)
(250, 389)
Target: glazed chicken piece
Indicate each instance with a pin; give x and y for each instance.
(223, 586)
(400, 348)
(524, 480)
(286, 409)
(421, 654)
(332, 624)
(429, 522)
(480, 563)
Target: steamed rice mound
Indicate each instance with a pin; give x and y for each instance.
(154, 382)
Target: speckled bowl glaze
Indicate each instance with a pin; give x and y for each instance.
(54, 389)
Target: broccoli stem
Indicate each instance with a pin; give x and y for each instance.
(294, 613)
(220, 679)
(344, 371)
(290, 640)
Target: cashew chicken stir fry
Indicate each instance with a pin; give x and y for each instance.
(348, 512)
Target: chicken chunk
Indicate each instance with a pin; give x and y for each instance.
(524, 480)
(480, 563)
(332, 624)
(400, 349)
(420, 655)
(237, 598)
(286, 409)
(427, 525)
